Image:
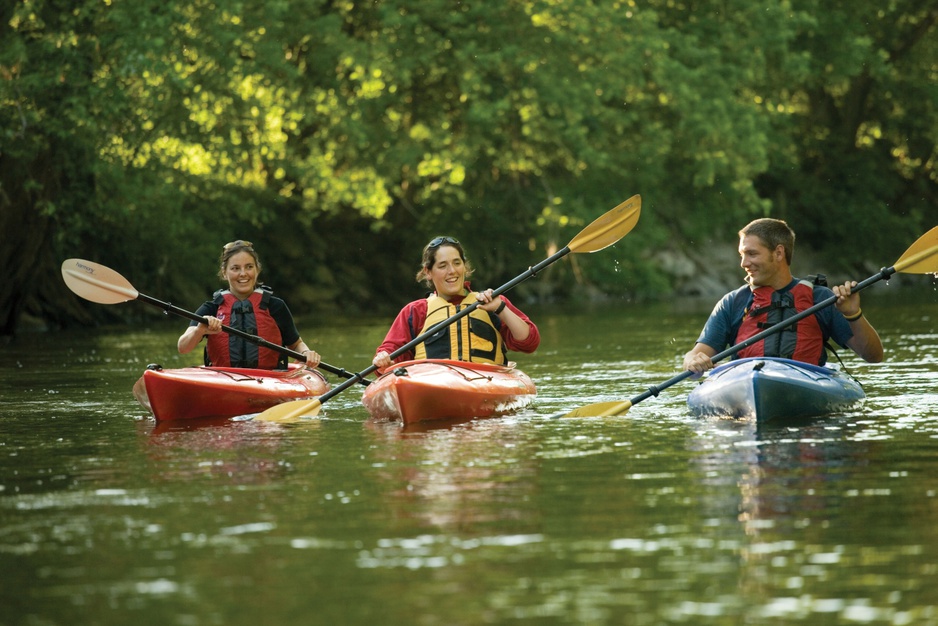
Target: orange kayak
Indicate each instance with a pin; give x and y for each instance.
(433, 389)
(194, 392)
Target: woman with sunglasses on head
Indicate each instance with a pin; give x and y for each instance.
(248, 306)
(483, 336)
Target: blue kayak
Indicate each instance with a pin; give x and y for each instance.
(769, 388)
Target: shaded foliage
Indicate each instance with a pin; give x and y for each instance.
(340, 136)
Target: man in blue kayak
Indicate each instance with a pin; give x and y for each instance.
(773, 295)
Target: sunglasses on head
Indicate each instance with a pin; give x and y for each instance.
(238, 243)
(439, 241)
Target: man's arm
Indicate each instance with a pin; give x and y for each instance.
(698, 360)
(865, 341)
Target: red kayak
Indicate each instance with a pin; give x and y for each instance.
(433, 389)
(194, 392)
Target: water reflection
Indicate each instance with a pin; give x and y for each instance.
(804, 518)
(456, 477)
(651, 518)
(239, 452)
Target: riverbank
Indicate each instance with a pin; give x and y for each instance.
(716, 272)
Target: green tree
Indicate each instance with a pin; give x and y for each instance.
(340, 136)
(858, 128)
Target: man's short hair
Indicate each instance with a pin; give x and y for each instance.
(772, 233)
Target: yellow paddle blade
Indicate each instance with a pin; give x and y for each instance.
(922, 256)
(609, 227)
(97, 283)
(290, 411)
(602, 409)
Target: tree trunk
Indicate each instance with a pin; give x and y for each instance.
(33, 282)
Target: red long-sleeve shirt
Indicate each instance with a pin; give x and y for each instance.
(409, 323)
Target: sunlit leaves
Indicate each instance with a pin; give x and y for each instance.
(508, 121)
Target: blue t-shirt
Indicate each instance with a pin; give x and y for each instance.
(720, 330)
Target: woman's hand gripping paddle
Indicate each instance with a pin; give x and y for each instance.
(601, 233)
(103, 285)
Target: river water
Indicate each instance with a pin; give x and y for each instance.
(650, 518)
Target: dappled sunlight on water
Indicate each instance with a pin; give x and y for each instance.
(651, 517)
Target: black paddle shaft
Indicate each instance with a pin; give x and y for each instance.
(531, 271)
(884, 273)
(260, 341)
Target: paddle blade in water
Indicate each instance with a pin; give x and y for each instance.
(601, 409)
(97, 283)
(290, 411)
(922, 256)
(609, 227)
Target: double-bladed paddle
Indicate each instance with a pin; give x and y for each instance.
(103, 285)
(920, 258)
(601, 233)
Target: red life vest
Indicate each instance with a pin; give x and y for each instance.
(802, 341)
(252, 316)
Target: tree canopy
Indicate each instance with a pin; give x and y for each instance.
(340, 136)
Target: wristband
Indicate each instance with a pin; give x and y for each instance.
(501, 307)
(855, 316)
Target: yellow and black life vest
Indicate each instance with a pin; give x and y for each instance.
(474, 338)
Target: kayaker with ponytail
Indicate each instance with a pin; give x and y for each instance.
(248, 306)
(483, 336)
(772, 295)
